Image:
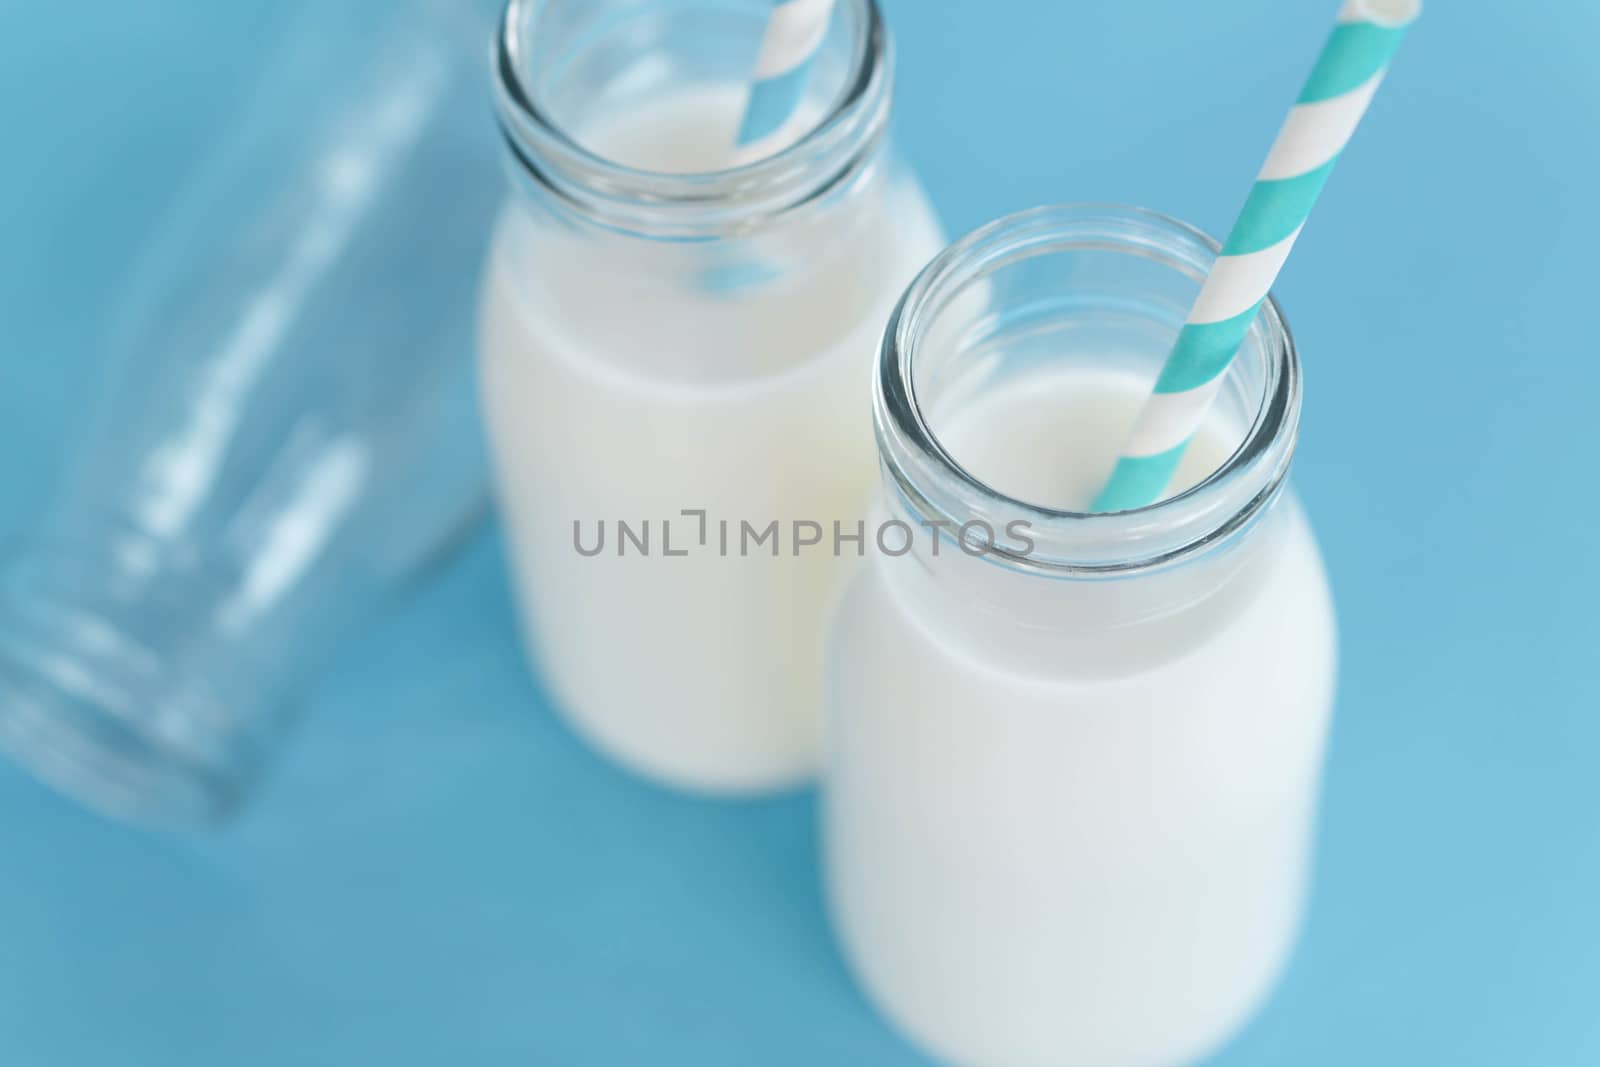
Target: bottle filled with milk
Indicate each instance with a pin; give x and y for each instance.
(676, 347)
(1073, 759)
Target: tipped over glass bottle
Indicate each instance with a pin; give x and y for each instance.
(289, 429)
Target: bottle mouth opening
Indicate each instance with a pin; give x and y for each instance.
(83, 749)
(557, 61)
(1005, 285)
(90, 708)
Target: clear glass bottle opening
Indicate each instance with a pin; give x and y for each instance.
(1072, 284)
(561, 63)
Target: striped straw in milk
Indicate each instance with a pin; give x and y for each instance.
(794, 33)
(1335, 97)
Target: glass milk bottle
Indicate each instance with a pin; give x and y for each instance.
(675, 357)
(1073, 759)
(287, 432)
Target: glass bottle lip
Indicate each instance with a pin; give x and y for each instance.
(936, 488)
(711, 204)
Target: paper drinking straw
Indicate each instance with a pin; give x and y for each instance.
(794, 33)
(1337, 94)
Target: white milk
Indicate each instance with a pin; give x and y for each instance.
(1066, 842)
(620, 384)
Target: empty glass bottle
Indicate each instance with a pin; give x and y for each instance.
(290, 427)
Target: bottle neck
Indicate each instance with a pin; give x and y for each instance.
(567, 70)
(1008, 377)
(730, 276)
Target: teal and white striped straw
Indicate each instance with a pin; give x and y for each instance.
(1335, 97)
(795, 31)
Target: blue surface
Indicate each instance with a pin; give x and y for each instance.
(440, 874)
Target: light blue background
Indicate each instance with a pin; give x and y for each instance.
(440, 874)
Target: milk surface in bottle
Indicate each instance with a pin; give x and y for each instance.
(1073, 759)
(676, 362)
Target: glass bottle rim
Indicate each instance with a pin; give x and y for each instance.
(938, 489)
(703, 205)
